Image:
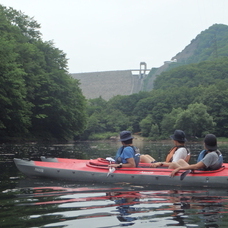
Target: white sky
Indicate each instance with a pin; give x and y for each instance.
(104, 35)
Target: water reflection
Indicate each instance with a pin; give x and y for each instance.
(49, 203)
(39, 203)
(207, 208)
(210, 209)
(125, 202)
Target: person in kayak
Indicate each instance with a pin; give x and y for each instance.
(179, 151)
(127, 155)
(209, 159)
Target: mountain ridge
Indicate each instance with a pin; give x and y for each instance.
(210, 44)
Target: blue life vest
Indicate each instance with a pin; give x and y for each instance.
(203, 154)
(136, 155)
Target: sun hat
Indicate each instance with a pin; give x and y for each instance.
(210, 142)
(125, 135)
(179, 136)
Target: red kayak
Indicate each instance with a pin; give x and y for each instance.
(97, 170)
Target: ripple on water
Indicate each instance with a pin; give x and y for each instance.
(60, 205)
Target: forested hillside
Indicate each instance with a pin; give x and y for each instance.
(194, 75)
(191, 94)
(210, 44)
(193, 98)
(38, 98)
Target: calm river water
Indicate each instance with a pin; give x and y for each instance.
(26, 202)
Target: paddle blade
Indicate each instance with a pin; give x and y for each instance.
(111, 170)
(110, 159)
(184, 174)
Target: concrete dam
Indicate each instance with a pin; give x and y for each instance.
(108, 84)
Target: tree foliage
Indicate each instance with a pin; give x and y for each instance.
(195, 120)
(192, 98)
(37, 94)
(207, 46)
(194, 75)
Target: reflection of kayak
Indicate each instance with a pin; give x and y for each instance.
(96, 170)
(120, 198)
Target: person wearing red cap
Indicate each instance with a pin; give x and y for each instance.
(128, 155)
(209, 159)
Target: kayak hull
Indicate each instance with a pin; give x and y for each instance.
(94, 171)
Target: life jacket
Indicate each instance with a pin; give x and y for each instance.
(136, 157)
(204, 152)
(201, 155)
(169, 157)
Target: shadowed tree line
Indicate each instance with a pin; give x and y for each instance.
(38, 98)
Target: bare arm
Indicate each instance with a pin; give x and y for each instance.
(130, 164)
(198, 165)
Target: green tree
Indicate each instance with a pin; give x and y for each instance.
(37, 93)
(169, 121)
(116, 121)
(146, 125)
(95, 105)
(202, 74)
(154, 132)
(216, 99)
(195, 120)
(14, 110)
(126, 104)
(93, 125)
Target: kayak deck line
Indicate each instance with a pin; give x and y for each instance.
(148, 169)
(98, 162)
(102, 163)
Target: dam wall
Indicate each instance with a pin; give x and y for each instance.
(108, 84)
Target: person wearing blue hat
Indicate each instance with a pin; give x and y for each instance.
(179, 151)
(128, 155)
(209, 159)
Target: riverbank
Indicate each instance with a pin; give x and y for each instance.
(109, 136)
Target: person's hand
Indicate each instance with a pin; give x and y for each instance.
(173, 173)
(114, 165)
(155, 165)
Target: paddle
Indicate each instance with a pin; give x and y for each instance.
(110, 159)
(111, 170)
(185, 173)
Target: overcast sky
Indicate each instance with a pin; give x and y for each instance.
(104, 35)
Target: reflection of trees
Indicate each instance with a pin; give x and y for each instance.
(187, 208)
(207, 207)
(42, 206)
(18, 204)
(180, 205)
